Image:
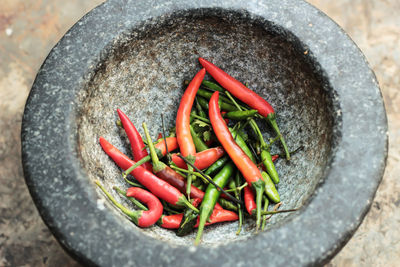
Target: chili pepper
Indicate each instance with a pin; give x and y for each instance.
(164, 172)
(216, 166)
(211, 196)
(203, 160)
(132, 199)
(185, 140)
(246, 96)
(212, 86)
(225, 106)
(249, 202)
(240, 114)
(198, 142)
(270, 189)
(207, 95)
(248, 168)
(158, 187)
(218, 215)
(137, 145)
(160, 149)
(226, 204)
(266, 159)
(140, 218)
(184, 137)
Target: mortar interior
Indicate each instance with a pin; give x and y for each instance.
(143, 73)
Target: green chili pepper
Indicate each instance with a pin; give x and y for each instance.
(270, 188)
(240, 114)
(198, 142)
(211, 196)
(207, 94)
(216, 166)
(228, 205)
(224, 106)
(212, 86)
(269, 164)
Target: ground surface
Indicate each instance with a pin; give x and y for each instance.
(29, 29)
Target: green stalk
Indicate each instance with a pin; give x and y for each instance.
(133, 215)
(132, 199)
(237, 181)
(176, 168)
(259, 188)
(264, 219)
(271, 118)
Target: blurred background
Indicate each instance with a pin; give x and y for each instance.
(29, 29)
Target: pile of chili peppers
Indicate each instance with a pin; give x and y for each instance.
(223, 170)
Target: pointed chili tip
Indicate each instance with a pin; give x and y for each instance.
(203, 71)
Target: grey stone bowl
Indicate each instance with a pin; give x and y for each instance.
(135, 55)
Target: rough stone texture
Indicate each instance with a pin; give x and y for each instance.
(145, 83)
(28, 31)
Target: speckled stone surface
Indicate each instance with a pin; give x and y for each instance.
(53, 110)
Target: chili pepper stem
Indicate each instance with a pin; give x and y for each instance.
(272, 121)
(137, 164)
(184, 202)
(133, 183)
(264, 219)
(194, 173)
(190, 175)
(132, 199)
(133, 215)
(157, 164)
(277, 211)
(259, 187)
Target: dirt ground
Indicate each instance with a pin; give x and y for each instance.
(29, 29)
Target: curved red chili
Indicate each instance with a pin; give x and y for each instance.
(245, 165)
(204, 159)
(137, 145)
(183, 135)
(140, 218)
(246, 95)
(151, 216)
(157, 186)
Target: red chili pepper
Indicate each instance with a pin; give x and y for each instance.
(246, 95)
(149, 217)
(159, 136)
(141, 218)
(137, 145)
(158, 187)
(218, 215)
(245, 165)
(183, 135)
(249, 200)
(204, 159)
(185, 140)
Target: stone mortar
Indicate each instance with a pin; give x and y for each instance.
(133, 56)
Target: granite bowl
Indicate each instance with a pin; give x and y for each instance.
(135, 55)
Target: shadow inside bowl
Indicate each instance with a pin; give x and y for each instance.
(143, 76)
